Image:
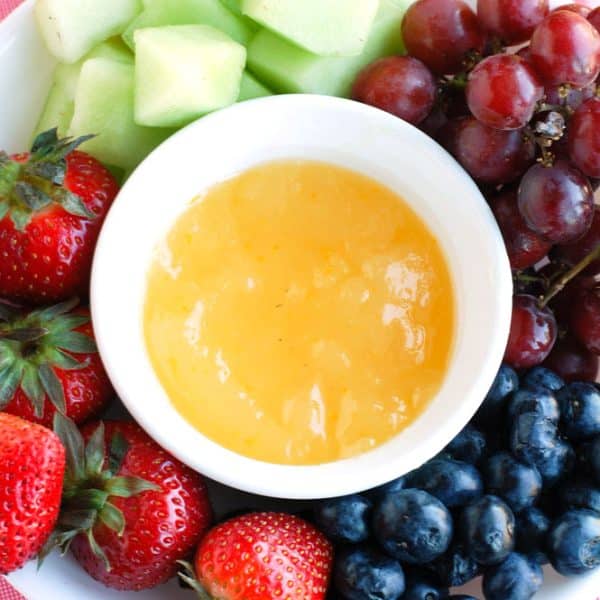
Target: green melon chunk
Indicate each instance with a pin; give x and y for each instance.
(233, 5)
(183, 72)
(71, 28)
(324, 27)
(251, 88)
(104, 106)
(58, 110)
(160, 13)
(59, 107)
(285, 68)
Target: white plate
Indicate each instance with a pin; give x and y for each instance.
(25, 72)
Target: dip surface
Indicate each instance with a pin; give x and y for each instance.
(299, 313)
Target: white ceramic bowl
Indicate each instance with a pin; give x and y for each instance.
(337, 131)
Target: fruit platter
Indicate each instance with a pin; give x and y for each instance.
(300, 299)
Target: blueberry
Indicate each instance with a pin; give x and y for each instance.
(364, 574)
(492, 409)
(594, 460)
(412, 526)
(541, 377)
(534, 441)
(469, 446)
(455, 567)
(579, 494)
(422, 587)
(574, 542)
(453, 482)
(532, 528)
(580, 407)
(517, 578)
(487, 530)
(541, 402)
(462, 597)
(346, 519)
(387, 488)
(517, 484)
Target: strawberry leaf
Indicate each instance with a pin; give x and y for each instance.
(64, 361)
(118, 450)
(75, 341)
(91, 498)
(46, 139)
(24, 335)
(10, 378)
(126, 487)
(71, 438)
(97, 550)
(9, 174)
(113, 518)
(94, 452)
(52, 386)
(4, 208)
(68, 322)
(34, 198)
(51, 312)
(20, 217)
(53, 172)
(188, 576)
(75, 206)
(32, 387)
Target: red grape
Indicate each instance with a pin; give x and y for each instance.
(594, 18)
(576, 8)
(489, 155)
(562, 304)
(503, 91)
(567, 95)
(400, 85)
(436, 119)
(513, 21)
(572, 361)
(524, 247)
(585, 320)
(576, 252)
(557, 202)
(441, 33)
(525, 53)
(565, 48)
(533, 332)
(584, 137)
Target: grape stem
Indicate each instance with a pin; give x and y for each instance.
(560, 285)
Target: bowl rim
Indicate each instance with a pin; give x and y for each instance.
(285, 481)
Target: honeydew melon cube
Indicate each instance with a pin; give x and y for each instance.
(183, 72)
(251, 88)
(71, 28)
(104, 106)
(325, 27)
(233, 5)
(285, 68)
(59, 107)
(160, 13)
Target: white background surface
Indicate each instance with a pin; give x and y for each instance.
(24, 79)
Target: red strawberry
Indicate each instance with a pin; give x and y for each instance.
(261, 556)
(32, 467)
(53, 201)
(140, 510)
(49, 361)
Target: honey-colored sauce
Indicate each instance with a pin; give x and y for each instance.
(299, 313)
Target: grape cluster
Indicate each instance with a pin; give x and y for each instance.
(518, 488)
(524, 121)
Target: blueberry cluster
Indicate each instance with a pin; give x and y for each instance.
(519, 487)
